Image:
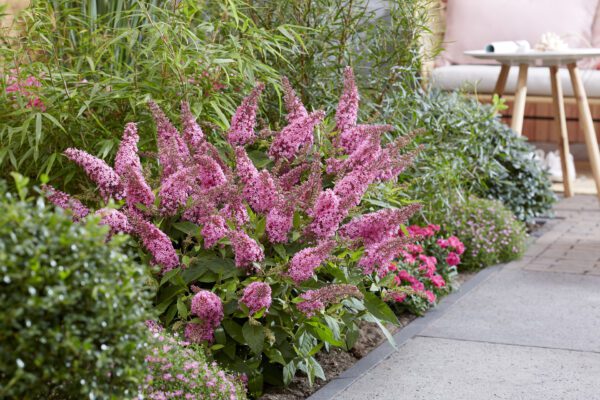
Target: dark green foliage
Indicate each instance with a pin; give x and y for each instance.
(74, 307)
(467, 150)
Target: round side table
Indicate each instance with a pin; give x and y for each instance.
(553, 60)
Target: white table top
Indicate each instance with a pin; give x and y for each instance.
(532, 56)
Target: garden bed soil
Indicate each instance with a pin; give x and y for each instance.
(337, 360)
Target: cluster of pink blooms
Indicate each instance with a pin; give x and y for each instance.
(452, 243)
(220, 195)
(257, 296)
(424, 268)
(196, 180)
(25, 88)
(66, 202)
(208, 308)
(177, 370)
(316, 300)
(304, 262)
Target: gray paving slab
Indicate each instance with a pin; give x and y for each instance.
(533, 308)
(529, 329)
(444, 369)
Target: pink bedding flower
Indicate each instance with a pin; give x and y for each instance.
(443, 243)
(438, 281)
(453, 259)
(456, 244)
(430, 296)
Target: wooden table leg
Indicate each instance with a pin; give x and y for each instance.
(520, 98)
(585, 118)
(561, 123)
(501, 82)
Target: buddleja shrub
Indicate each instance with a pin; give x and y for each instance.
(266, 266)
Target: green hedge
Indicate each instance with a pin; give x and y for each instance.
(74, 307)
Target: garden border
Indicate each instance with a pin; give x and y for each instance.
(413, 329)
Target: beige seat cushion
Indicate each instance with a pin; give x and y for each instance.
(482, 78)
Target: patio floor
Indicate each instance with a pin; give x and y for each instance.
(530, 330)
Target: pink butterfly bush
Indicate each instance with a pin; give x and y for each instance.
(257, 296)
(300, 197)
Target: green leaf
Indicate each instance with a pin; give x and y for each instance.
(234, 330)
(351, 336)
(187, 228)
(379, 309)
(274, 355)
(280, 250)
(324, 333)
(167, 276)
(316, 367)
(182, 309)
(289, 371)
(254, 336)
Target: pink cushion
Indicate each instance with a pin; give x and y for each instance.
(471, 24)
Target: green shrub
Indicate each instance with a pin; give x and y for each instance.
(74, 307)
(267, 252)
(467, 151)
(490, 232)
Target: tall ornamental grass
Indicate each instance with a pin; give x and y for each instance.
(72, 71)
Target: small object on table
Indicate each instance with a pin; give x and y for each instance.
(512, 46)
(553, 60)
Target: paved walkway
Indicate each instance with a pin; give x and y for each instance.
(526, 330)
